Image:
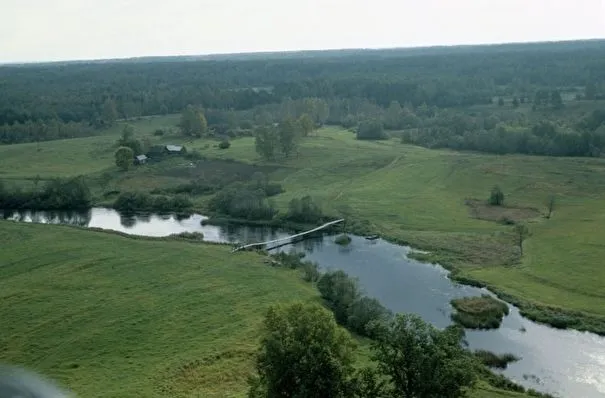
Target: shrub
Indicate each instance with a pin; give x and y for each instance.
(57, 194)
(304, 210)
(343, 240)
(340, 292)
(492, 360)
(240, 201)
(224, 144)
(363, 312)
(496, 197)
(131, 202)
(311, 272)
(197, 236)
(371, 130)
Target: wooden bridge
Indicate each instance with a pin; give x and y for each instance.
(286, 240)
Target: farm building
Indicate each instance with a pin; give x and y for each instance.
(175, 149)
(140, 159)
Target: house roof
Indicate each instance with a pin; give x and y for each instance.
(141, 157)
(174, 148)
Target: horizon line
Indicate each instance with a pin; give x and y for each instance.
(276, 52)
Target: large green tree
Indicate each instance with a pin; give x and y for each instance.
(124, 157)
(306, 124)
(289, 134)
(303, 354)
(266, 142)
(193, 122)
(422, 361)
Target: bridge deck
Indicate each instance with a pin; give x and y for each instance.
(326, 225)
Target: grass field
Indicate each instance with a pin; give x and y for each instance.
(118, 317)
(112, 316)
(427, 198)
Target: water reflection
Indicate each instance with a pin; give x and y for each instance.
(565, 363)
(71, 217)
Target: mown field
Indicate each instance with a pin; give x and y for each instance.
(431, 199)
(112, 316)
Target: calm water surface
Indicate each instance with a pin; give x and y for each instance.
(565, 363)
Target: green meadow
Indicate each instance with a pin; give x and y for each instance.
(430, 199)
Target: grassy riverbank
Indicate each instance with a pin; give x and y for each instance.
(105, 314)
(431, 199)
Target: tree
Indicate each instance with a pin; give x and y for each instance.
(371, 130)
(422, 361)
(303, 353)
(500, 101)
(288, 136)
(362, 312)
(393, 116)
(306, 124)
(110, 112)
(521, 233)
(340, 292)
(550, 205)
(266, 142)
(124, 157)
(556, 101)
(128, 140)
(515, 102)
(496, 197)
(193, 122)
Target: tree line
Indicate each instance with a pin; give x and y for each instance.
(98, 92)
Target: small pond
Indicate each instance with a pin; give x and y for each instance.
(565, 363)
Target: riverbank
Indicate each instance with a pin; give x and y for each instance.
(556, 317)
(170, 310)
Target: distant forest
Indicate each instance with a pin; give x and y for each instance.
(412, 90)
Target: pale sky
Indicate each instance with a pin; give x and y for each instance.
(49, 30)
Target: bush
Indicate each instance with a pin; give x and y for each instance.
(197, 236)
(343, 240)
(304, 211)
(496, 197)
(57, 194)
(340, 292)
(240, 201)
(492, 360)
(371, 130)
(311, 272)
(363, 313)
(224, 144)
(131, 202)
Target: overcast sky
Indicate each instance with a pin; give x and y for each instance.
(44, 30)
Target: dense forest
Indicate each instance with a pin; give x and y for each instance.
(499, 98)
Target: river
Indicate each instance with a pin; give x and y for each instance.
(566, 363)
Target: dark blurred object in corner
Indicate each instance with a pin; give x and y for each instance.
(20, 383)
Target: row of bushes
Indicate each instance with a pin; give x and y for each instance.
(351, 309)
(131, 202)
(57, 194)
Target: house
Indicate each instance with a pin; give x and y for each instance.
(175, 149)
(140, 159)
